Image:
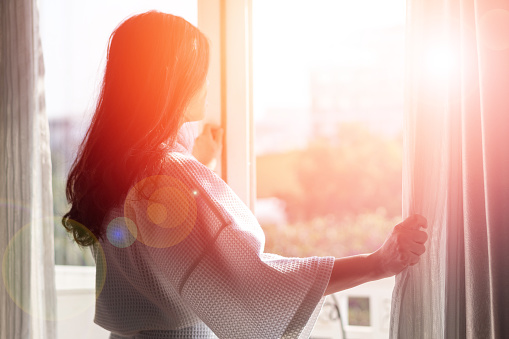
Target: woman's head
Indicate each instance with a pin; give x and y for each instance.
(156, 67)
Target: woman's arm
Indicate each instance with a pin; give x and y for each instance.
(349, 272)
(402, 248)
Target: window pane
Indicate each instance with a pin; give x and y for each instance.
(74, 38)
(328, 104)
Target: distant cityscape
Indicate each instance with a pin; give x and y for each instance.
(368, 90)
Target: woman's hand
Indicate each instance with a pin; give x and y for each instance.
(402, 248)
(208, 145)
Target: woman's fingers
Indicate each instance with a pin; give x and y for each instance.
(214, 131)
(415, 222)
(417, 249)
(217, 134)
(207, 128)
(208, 144)
(413, 260)
(408, 259)
(420, 237)
(412, 240)
(404, 246)
(408, 248)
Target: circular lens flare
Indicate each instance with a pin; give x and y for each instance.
(14, 278)
(163, 210)
(157, 213)
(121, 232)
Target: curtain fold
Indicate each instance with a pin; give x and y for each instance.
(27, 287)
(456, 170)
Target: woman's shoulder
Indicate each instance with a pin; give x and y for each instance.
(184, 165)
(185, 168)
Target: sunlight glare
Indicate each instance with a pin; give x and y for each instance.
(439, 61)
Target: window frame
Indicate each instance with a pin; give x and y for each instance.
(228, 25)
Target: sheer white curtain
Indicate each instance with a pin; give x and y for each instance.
(27, 289)
(456, 170)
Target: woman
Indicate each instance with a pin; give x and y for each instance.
(182, 256)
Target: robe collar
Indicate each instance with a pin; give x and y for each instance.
(185, 138)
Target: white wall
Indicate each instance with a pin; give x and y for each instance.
(76, 303)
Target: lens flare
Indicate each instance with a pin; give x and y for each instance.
(121, 232)
(18, 287)
(162, 209)
(157, 213)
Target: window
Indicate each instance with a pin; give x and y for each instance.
(328, 109)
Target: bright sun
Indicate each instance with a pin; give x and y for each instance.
(439, 62)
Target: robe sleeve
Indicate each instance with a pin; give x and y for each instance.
(220, 270)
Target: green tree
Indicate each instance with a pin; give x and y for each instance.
(358, 172)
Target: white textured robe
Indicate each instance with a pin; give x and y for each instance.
(216, 282)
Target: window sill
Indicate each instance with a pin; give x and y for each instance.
(74, 278)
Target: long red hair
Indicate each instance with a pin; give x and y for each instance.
(156, 62)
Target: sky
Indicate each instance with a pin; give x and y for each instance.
(289, 36)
